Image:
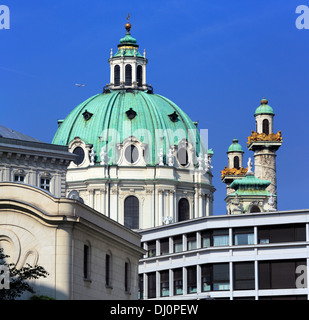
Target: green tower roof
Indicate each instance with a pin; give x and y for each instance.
(121, 114)
(250, 185)
(264, 108)
(235, 147)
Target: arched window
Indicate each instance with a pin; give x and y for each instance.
(139, 76)
(131, 212)
(117, 75)
(255, 209)
(266, 126)
(236, 162)
(128, 77)
(183, 209)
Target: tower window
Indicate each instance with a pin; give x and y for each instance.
(131, 212)
(183, 209)
(139, 76)
(266, 126)
(128, 77)
(117, 75)
(236, 162)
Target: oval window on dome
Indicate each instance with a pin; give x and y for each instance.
(131, 154)
(80, 155)
(182, 156)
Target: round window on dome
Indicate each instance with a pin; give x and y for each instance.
(182, 156)
(131, 154)
(80, 155)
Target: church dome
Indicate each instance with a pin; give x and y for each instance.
(235, 147)
(264, 108)
(116, 115)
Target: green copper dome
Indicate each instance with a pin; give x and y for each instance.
(235, 147)
(264, 108)
(118, 114)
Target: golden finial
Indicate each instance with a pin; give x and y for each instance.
(128, 25)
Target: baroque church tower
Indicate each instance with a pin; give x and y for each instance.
(249, 191)
(265, 143)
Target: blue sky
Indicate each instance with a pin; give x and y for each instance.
(214, 59)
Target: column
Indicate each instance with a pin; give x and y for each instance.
(198, 279)
(111, 73)
(114, 203)
(107, 195)
(64, 264)
(102, 206)
(184, 281)
(231, 280)
(195, 204)
(256, 279)
(122, 71)
(91, 201)
(144, 74)
(134, 66)
(207, 204)
(200, 211)
(158, 287)
(145, 281)
(172, 205)
(171, 282)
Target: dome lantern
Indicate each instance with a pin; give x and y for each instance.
(128, 65)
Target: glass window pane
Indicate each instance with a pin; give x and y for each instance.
(131, 212)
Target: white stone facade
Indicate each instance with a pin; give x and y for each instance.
(37, 228)
(35, 163)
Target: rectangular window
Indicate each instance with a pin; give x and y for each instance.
(107, 270)
(243, 275)
(140, 295)
(215, 277)
(164, 283)
(206, 238)
(151, 285)
(282, 233)
(45, 184)
(151, 248)
(19, 178)
(126, 277)
(178, 243)
(86, 261)
(178, 288)
(243, 236)
(215, 238)
(279, 274)
(191, 279)
(164, 246)
(191, 241)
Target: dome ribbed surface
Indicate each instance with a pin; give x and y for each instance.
(108, 116)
